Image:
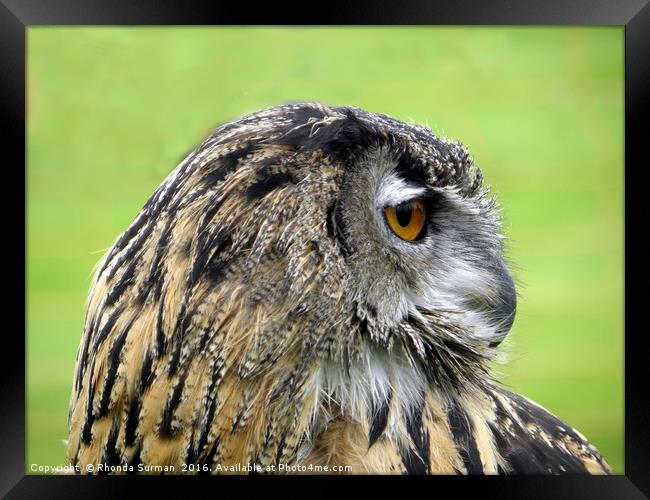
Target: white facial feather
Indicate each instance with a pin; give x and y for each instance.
(378, 377)
(395, 190)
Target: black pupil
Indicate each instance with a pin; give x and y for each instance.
(404, 212)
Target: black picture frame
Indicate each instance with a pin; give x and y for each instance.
(17, 15)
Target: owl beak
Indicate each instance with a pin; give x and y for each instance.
(503, 310)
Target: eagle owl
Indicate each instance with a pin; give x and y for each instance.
(316, 289)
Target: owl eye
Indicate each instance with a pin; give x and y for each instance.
(407, 220)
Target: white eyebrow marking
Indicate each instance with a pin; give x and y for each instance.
(395, 190)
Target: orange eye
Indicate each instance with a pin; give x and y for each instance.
(407, 219)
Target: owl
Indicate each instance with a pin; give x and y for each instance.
(313, 289)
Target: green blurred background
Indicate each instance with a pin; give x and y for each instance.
(111, 111)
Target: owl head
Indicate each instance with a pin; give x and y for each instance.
(319, 235)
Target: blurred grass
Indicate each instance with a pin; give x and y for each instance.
(112, 110)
